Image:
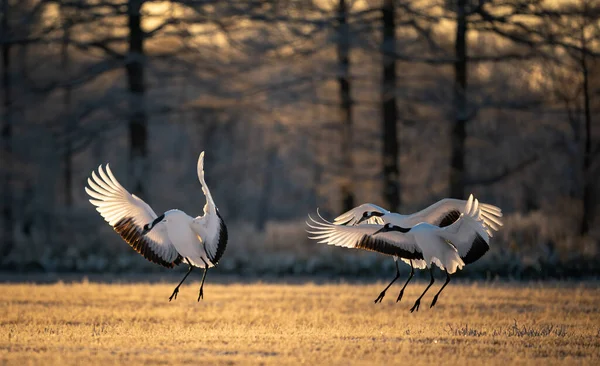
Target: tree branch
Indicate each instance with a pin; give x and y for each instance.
(506, 173)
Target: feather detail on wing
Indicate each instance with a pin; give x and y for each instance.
(128, 214)
(361, 237)
(447, 211)
(210, 227)
(213, 233)
(468, 234)
(352, 216)
(417, 263)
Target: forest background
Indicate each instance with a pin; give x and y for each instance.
(299, 105)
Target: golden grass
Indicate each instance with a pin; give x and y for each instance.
(89, 323)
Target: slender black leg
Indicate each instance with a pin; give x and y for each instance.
(412, 273)
(201, 292)
(436, 295)
(174, 295)
(418, 302)
(382, 294)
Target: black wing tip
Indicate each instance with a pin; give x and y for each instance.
(478, 248)
(368, 242)
(132, 235)
(222, 243)
(178, 260)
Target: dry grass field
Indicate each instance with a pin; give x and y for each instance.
(89, 323)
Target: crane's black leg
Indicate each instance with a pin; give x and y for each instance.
(382, 294)
(412, 273)
(176, 291)
(436, 295)
(201, 293)
(418, 302)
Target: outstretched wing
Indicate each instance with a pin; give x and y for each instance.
(447, 211)
(210, 227)
(213, 232)
(468, 234)
(128, 214)
(352, 216)
(361, 237)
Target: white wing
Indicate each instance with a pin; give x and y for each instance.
(213, 232)
(443, 253)
(417, 263)
(209, 207)
(128, 214)
(210, 227)
(361, 237)
(448, 210)
(468, 234)
(352, 216)
(441, 213)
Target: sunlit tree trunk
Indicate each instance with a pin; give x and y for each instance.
(6, 159)
(343, 52)
(135, 77)
(457, 160)
(391, 170)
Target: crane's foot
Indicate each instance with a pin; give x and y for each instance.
(400, 295)
(416, 306)
(201, 294)
(380, 297)
(174, 295)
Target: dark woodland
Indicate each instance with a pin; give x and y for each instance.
(299, 105)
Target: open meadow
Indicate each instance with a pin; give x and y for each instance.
(264, 323)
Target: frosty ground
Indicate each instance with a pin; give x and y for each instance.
(85, 322)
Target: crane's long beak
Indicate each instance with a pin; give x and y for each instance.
(380, 230)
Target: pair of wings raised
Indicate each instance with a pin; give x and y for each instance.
(467, 224)
(441, 213)
(128, 214)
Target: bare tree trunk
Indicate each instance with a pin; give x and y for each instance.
(135, 76)
(391, 170)
(459, 134)
(316, 147)
(587, 186)
(65, 65)
(343, 52)
(7, 209)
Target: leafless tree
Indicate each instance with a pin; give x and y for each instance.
(575, 33)
(344, 80)
(389, 109)
(66, 22)
(7, 116)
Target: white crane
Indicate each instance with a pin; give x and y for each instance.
(167, 239)
(428, 243)
(441, 213)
